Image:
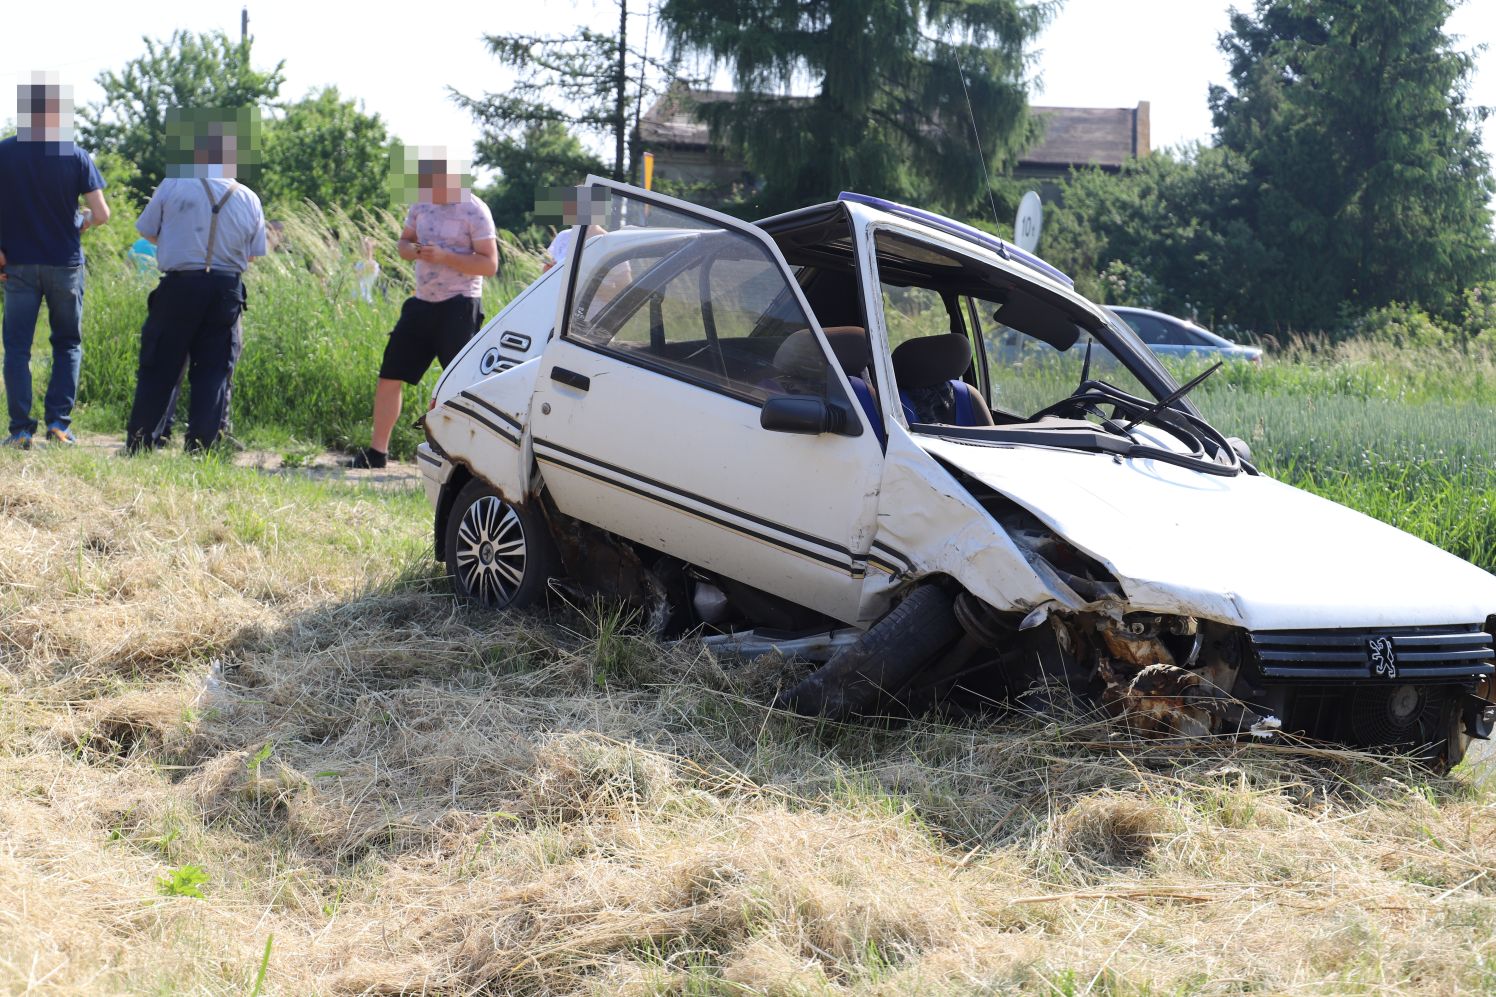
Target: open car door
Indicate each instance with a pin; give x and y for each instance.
(678, 325)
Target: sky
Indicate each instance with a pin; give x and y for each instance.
(1095, 53)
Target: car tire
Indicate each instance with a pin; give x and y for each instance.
(498, 554)
(860, 678)
(1456, 742)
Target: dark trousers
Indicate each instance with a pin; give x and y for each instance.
(163, 431)
(190, 314)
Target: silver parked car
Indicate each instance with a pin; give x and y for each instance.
(1169, 336)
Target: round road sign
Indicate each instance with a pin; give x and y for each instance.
(1028, 223)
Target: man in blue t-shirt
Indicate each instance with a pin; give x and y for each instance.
(42, 175)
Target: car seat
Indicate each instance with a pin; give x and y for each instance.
(799, 361)
(929, 373)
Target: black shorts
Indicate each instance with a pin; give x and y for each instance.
(427, 331)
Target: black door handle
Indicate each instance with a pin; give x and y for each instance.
(571, 378)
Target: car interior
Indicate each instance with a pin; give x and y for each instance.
(941, 372)
(711, 306)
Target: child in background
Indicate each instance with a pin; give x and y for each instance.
(366, 271)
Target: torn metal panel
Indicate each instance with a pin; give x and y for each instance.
(1161, 677)
(937, 525)
(1229, 549)
(485, 427)
(815, 648)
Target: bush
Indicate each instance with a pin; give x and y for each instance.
(1402, 326)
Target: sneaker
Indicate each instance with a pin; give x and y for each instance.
(60, 434)
(367, 458)
(20, 439)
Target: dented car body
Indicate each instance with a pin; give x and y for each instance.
(874, 437)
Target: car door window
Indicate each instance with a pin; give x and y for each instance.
(913, 312)
(703, 303)
(1149, 329)
(1172, 334)
(1193, 338)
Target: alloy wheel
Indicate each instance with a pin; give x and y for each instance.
(491, 552)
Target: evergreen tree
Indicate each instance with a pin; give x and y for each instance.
(185, 71)
(590, 80)
(544, 155)
(1370, 184)
(890, 114)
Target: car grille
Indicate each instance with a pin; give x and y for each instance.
(1396, 654)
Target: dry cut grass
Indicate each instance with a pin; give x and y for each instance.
(240, 716)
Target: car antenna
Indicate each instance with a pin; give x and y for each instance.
(986, 177)
(1175, 395)
(1085, 368)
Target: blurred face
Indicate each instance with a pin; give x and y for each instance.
(46, 112)
(439, 185)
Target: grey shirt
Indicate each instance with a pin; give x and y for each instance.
(178, 217)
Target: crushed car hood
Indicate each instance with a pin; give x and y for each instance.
(1246, 550)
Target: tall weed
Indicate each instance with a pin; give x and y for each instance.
(311, 347)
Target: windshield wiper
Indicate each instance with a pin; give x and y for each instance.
(1174, 395)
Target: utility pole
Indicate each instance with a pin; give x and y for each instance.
(244, 25)
(621, 82)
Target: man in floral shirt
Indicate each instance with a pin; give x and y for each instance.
(449, 234)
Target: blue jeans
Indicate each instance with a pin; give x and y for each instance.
(62, 289)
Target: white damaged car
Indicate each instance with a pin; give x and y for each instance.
(879, 439)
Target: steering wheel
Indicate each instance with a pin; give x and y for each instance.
(1088, 398)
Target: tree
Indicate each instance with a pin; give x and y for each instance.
(545, 155)
(186, 71)
(900, 86)
(1172, 232)
(326, 150)
(1369, 181)
(590, 80)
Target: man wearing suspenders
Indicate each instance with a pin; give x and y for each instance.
(206, 227)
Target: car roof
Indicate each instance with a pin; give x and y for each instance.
(820, 213)
(1195, 326)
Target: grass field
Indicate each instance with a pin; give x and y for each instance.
(248, 745)
(239, 715)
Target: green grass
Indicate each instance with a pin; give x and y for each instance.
(1407, 437)
(311, 351)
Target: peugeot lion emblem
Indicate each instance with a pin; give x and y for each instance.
(1383, 661)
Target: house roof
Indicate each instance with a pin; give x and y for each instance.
(1090, 136)
(1073, 136)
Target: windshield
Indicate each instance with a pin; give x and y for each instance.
(1028, 374)
(980, 353)
(1028, 343)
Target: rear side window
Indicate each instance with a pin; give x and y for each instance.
(1149, 329)
(704, 303)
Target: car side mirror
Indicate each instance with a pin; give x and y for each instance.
(805, 414)
(1240, 446)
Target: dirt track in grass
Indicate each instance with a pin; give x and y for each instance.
(255, 688)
